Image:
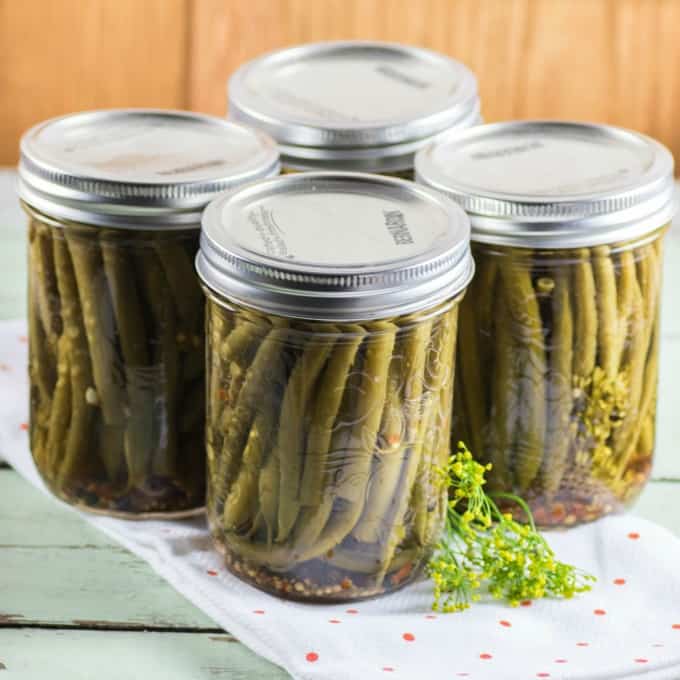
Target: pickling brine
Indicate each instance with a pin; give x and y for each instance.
(332, 311)
(557, 373)
(116, 312)
(559, 334)
(324, 442)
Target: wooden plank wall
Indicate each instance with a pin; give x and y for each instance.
(606, 60)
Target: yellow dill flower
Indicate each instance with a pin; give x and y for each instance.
(484, 550)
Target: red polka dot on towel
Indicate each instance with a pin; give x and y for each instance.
(312, 657)
(409, 637)
(485, 656)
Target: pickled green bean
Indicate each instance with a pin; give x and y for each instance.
(585, 316)
(290, 441)
(324, 413)
(528, 330)
(607, 311)
(558, 436)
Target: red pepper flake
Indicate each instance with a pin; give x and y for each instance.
(211, 572)
(334, 621)
(388, 669)
(23, 426)
(23, 338)
(676, 626)
(258, 611)
(583, 644)
(641, 660)
(462, 675)
(312, 657)
(4, 367)
(222, 394)
(409, 637)
(633, 535)
(505, 624)
(485, 656)
(561, 661)
(346, 584)
(657, 644)
(403, 573)
(619, 581)
(431, 617)
(525, 603)
(352, 611)
(558, 513)
(393, 439)
(599, 612)
(542, 675)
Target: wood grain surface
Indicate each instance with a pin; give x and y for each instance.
(75, 606)
(603, 60)
(58, 56)
(111, 655)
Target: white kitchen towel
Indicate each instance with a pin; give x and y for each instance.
(627, 627)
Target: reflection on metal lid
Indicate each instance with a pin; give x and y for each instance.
(335, 246)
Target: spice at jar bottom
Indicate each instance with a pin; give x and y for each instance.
(332, 323)
(323, 441)
(116, 366)
(557, 374)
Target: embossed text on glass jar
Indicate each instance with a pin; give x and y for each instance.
(333, 303)
(323, 445)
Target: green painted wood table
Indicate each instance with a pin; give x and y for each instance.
(75, 605)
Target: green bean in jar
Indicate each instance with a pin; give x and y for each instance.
(559, 333)
(331, 345)
(116, 312)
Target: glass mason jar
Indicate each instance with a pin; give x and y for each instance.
(559, 333)
(331, 339)
(116, 312)
(359, 106)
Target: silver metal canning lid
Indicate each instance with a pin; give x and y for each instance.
(335, 246)
(548, 184)
(143, 168)
(367, 105)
